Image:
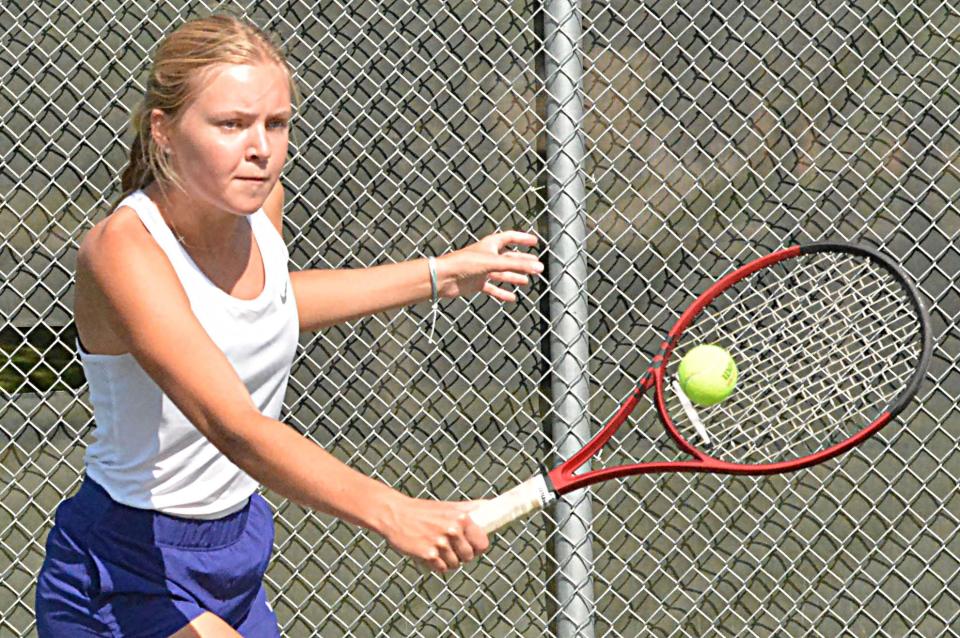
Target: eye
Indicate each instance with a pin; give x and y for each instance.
(279, 124)
(229, 124)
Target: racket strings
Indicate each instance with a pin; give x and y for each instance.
(832, 338)
(815, 392)
(773, 333)
(818, 391)
(823, 344)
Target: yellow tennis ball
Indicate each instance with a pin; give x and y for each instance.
(707, 374)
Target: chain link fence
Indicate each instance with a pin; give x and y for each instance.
(704, 133)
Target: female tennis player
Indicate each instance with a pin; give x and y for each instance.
(188, 320)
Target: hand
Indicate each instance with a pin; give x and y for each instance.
(437, 534)
(480, 266)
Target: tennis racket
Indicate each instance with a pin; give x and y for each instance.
(831, 342)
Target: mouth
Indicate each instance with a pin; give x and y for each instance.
(252, 179)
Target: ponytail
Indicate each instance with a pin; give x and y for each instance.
(138, 173)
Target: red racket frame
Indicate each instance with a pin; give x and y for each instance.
(562, 478)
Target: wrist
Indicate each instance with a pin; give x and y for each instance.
(446, 276)
(383, 512)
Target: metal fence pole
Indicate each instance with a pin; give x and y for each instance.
(568, 307)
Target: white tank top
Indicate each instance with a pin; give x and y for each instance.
(145, 453)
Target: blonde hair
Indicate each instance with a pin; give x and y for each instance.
(180, 58)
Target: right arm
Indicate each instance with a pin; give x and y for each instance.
(161, 332)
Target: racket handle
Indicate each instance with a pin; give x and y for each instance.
(532, 494)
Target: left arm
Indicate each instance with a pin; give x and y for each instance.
(328, 297)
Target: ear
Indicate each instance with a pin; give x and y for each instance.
(159, 128)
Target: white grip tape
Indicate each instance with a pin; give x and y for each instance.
(532, 494)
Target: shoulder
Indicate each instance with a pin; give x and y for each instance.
(116, 261)
(119, 237)
(119, 256)
(273, 207)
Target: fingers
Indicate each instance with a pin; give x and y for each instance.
(511, 268)
(460, 548)
(499, 293)
(515, 238)
(524, 263)
(448, 557)
(462, 542)
(477, 538)
(509, 278)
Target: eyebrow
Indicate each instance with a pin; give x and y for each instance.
(250, 114)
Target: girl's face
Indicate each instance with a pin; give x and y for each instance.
(230, 142)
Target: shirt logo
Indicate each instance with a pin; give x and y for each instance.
(283, 295)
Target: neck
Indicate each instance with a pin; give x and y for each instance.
(197, 226)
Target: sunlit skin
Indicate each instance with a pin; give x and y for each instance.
(227, 147)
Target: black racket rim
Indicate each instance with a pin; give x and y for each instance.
(913, 294)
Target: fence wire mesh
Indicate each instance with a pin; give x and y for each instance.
(714, 131)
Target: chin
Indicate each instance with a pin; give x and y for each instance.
(251, 209)
(246, 204)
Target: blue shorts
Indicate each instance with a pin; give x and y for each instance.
(113, 570)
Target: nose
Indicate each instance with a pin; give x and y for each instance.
(258, 146)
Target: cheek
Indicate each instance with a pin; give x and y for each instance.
(213, 156)
(279, 151)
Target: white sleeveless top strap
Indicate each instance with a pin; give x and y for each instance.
(145, 452)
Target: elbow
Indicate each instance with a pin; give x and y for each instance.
(232, 433)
